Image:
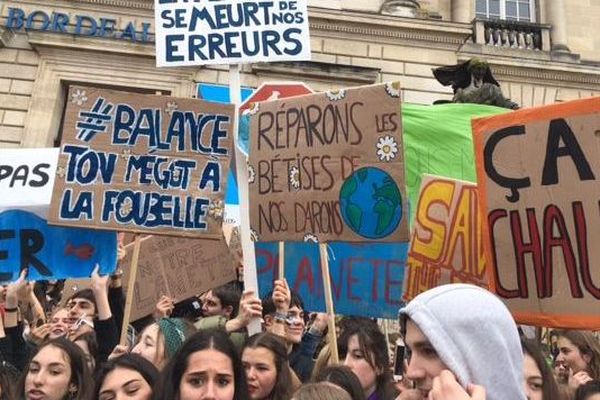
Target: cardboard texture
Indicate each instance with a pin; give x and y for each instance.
(141, 163)
(538, 173)
(329, 166)
(178, 268)
(446, 244)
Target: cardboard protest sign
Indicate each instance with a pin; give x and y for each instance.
(329, 166)
(176, 267)
(366, 278)
(538, 175)
(446, 245)
(230, 31)
(141, 163)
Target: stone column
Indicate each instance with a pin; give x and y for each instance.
(461, 11)
(555, 11)
(402, 8)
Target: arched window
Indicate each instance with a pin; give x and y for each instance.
(511, 10)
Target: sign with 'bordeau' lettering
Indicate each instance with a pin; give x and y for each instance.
(230, 31)
(143, 163)
(538, 172)
(329, 166)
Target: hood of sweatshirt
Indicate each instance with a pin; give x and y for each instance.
(474, 335)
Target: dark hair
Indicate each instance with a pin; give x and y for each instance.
(92, 343)
(80, 374)
(86, 294)
(8, 376)
(549, 385)
(283, 388)
(229, 295)
(374, 347)
(203, 340)
(269, 308)
(589, 389)
(342, 376)
(130, 361)
(588, 345)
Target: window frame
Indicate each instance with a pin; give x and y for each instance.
(532, 11)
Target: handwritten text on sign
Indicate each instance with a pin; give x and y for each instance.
(366, 279)
(446, 243)
(329, 166)
(230, 31)
(143, 163)
(538, 171)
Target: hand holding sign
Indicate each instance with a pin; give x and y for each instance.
(14, 290)
(281, 296)
(250, 308)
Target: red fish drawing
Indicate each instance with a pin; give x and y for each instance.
(83, 252)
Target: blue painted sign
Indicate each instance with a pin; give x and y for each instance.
(27, 241)
(78, 25)
(366, 279)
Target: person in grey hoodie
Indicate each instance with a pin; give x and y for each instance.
(461, 339)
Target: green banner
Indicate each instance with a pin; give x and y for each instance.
(438, 141)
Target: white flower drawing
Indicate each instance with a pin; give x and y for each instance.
(251, 174)
(60, 172)
(309, 237)
(216, 209)
(171, 107)
(393, 89)
(335, 95)
(253, 235)
(79, 97)
(125, 154)
(294, 175)
(387, 148)
(126, 208)
(253, 109)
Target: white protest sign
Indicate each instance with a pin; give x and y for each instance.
(27, 178)
(230, 31)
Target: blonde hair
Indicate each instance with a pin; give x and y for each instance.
(321, 391)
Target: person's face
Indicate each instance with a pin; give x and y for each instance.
(151, 346)
(533, 379)
(124, 384)
(358, 362)
(85, 348)
(59, 323)
(424, 364)
(49, 375)
(571, 356)
(208, 376)
(595, 396)
(296, 327)
(261, 372)
(81, 306)
(211, 305)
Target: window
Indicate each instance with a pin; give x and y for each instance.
(511, 10)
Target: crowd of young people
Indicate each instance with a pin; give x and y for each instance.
(460, 343)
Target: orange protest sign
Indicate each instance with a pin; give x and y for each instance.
(446, 242)
(537, 171)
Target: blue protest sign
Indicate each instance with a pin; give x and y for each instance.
(50, 252)
(366, 279)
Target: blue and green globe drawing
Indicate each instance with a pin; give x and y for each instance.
(371, 203)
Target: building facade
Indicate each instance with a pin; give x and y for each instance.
(541, 52)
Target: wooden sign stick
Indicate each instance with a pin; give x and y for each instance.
(335, 358)
(130, 288)
(281, 260)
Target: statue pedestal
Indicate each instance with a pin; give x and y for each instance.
(401, 8)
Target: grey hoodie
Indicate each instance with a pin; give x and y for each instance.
(474, 335)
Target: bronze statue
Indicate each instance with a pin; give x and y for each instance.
(472, 82)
